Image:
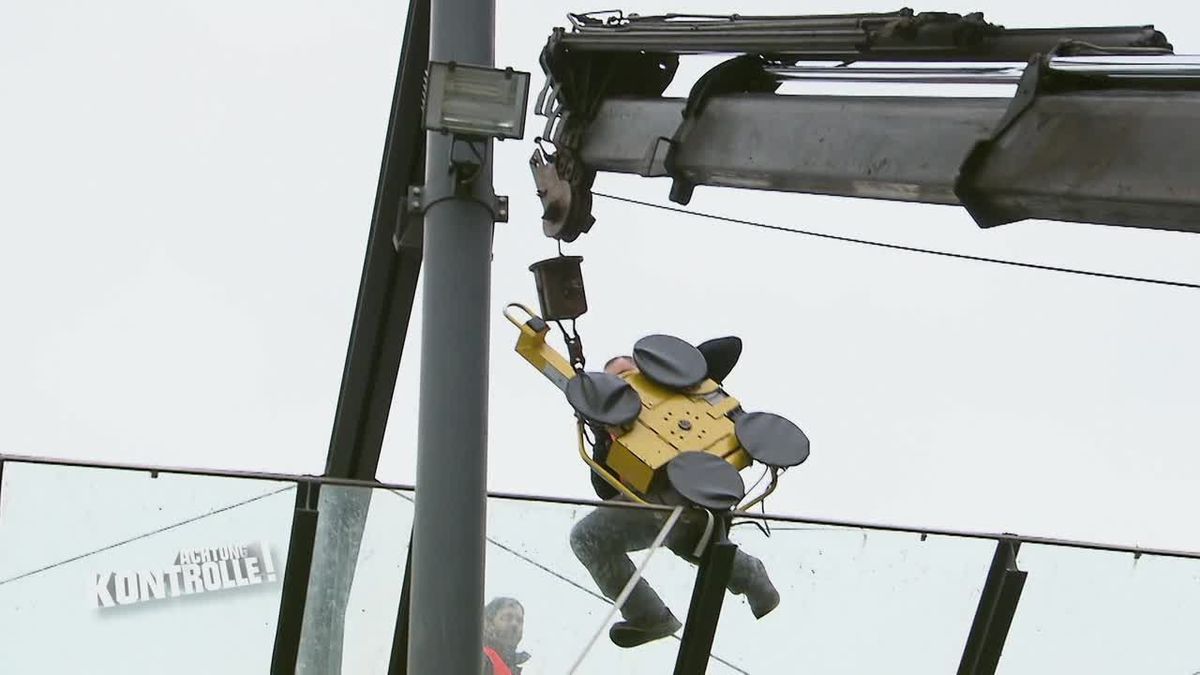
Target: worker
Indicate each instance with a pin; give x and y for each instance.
(503, 627)
(603, 539)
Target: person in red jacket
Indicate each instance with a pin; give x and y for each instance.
(503, 628)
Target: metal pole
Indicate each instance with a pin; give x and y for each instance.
(451, 498)
(295, 578)
(994, 614)
(708, 594)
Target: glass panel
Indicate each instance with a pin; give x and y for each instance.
(143, 573)
(100, 557)
(856, 601)
(357, 573)
(1086, 611)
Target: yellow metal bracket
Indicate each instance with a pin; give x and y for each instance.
(603, 472)
(532, 346)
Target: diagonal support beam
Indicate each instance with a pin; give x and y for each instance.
(377, 338)
(390, 271)
(994, 614)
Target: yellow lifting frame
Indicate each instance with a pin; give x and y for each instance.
(696, 420)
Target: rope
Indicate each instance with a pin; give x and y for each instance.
(633, 580)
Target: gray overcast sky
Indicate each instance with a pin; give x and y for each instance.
(186, 193)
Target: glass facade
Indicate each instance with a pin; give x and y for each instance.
(152, 568)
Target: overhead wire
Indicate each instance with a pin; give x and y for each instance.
(130, 540)
(902, 247)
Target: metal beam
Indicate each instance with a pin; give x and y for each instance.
(708, 594)
(295, 579)
(994, 614)
(390, 271)
(886, 148)
(1048, 164)
(398, 664)
(377, 337)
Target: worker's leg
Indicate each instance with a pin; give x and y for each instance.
(602, 541)
(748, 577)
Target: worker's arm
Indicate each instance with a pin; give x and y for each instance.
(600, 454)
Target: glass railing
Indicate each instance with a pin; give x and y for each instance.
(853, 600)
(95, 569)
(140, 570)
(1104, 612)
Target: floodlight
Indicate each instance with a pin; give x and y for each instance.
(474, 101)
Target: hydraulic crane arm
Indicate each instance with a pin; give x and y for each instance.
(903, 35)
(1104, 126)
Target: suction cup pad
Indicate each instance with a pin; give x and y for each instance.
(771, 439)
(721, 355)
(670, 362)
(604, 399)
(706, 480)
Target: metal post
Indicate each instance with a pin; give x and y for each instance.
(398, 664)
(708, 594)
(448, 524)
(295, 579)
(994, 614)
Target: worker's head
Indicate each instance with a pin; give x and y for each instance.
(619, 365)
(503, 623)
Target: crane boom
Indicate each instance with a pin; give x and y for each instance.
(1104, 126)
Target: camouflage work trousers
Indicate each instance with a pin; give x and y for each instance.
(603, 539)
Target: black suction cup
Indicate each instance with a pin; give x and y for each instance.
(670, 361)
(604, 399)
(706, 480)
(721, 355)
(771, 439)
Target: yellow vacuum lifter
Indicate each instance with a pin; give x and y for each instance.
(669, 423)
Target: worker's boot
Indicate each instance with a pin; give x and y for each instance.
(629, 634)
(750, 579)
(646, 618)
(763, 600)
